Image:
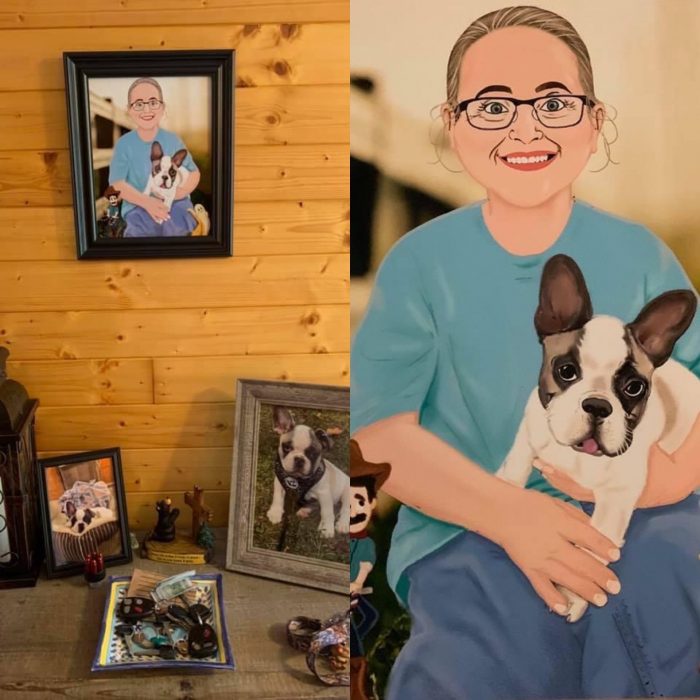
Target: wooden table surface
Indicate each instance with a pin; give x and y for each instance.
(48, 637)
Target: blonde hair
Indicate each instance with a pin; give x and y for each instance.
(147, 81)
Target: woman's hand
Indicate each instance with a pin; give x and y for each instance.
(544, 537)
(670, 478)
(156, 209)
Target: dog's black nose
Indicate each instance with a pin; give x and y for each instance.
(599, 408)
(299, 462)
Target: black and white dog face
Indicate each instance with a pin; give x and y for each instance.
(79, 518)
(165, 169)
(596, 371)
(300, 448)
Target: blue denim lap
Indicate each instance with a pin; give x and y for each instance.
(139, 223)
(480, 631)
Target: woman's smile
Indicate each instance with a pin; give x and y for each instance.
(531, 160)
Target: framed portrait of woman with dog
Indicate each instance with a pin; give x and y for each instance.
(151, 152)
(83, 510)
(290, 484)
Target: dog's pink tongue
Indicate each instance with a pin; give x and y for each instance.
(590, 446)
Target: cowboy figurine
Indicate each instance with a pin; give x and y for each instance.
(365, 481)
(114, 224)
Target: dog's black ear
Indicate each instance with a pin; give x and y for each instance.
(179, 157)
(565, 304)
(282, 419)
(156, 151)
(325, 439)
(662, 322)
(70, 509)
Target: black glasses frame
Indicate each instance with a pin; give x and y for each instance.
(146, 102)
(462, 107)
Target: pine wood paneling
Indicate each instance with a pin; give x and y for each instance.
(175, 332)
(86, 382)
(268, 280)
(266, 54)
(262, 173)
(20, 14)
(94, 427)
(260, 228)
(296, 114)
(181, 380)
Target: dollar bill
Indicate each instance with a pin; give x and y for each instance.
(173, 587)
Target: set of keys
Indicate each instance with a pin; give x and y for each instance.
(142, 614)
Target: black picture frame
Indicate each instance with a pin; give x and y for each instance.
(55, 568)
(219, 67)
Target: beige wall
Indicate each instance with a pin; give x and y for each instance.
(646, 59)
(145, 354)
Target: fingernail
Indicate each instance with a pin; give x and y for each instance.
(613, 586)
(614, 554)
(561, 609)
(600, 600)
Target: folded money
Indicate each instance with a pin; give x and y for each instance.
(173, 587)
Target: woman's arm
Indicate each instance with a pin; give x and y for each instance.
(542, 535)
(189, 185)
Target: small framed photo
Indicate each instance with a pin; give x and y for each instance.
(151, 140)
(290, 487)
(83, 510)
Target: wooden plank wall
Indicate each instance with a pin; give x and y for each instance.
(145, 354)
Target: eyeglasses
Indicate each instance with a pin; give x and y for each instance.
(552, 111)
(139, 105)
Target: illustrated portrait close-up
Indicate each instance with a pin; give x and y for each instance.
(526, 348)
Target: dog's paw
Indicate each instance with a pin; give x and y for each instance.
(274, 515)
(304, 512)
(576, 610)
(326, 530)
(342, 527)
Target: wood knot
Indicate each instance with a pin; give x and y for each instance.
(311, 319)
(289, 31)
(272, 118)
(281, 68)
(243, 81)
(50, 158)
(251, 29)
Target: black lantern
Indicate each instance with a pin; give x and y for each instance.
(20, 525)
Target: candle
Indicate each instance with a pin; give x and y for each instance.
(4, 531)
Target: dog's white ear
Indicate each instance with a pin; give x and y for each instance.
(283, 420)
(662, 322)
(179, 157)
(565, 304)
(156, 151)
(325, 439)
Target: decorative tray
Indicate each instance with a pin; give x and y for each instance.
(113, 653)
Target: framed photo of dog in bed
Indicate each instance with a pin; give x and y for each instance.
(83, 510)
(151, 137)
(290, 487)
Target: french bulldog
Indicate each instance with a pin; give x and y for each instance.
(80, 519)
(301, 467)
(607, 392)
(167, 174)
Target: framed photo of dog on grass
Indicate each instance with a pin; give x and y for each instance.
(83, 510)
(151, 138)
(290, 487)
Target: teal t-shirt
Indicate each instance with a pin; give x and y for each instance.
(131, 160)
(361, 549)
(449, 334)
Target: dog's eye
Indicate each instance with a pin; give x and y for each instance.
(635, 388)
(286, 446)
(567, 372)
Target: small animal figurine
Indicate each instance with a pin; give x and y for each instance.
(164, 530)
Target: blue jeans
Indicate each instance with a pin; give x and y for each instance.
(139, 223)
(479, 630)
